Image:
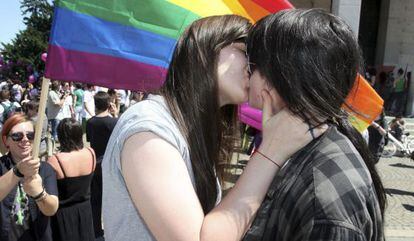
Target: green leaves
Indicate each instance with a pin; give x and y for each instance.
(22, 54)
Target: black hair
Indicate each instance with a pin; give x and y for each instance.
(70, 135)
(55, 85)
(312, 59)
(102, 101)
(31, 105)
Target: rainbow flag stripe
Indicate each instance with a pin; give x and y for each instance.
(128, 44)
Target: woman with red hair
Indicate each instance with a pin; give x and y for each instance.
(28, 191)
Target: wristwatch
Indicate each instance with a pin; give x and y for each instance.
(17, 172)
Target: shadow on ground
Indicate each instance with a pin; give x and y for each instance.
(392, 191)
(401, 165)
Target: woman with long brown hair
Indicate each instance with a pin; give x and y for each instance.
(161, 167)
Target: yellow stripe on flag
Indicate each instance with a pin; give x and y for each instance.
(203, 8)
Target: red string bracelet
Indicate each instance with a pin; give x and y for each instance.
(263, 155)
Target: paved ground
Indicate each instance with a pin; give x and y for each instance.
(398, 178)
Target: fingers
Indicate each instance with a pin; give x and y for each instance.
(267, 106)
(29, 166)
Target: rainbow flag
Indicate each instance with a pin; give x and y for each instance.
(363, 104)
(128, 44)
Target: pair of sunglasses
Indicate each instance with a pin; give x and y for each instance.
(251, 67)
(18, 136)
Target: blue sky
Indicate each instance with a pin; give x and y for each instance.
(11, 20)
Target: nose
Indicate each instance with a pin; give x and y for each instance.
(25, 138)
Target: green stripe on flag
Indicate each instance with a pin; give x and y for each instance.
(156, 16)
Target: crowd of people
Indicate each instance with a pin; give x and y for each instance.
(60, 198)
(155, 168)
(393, 89)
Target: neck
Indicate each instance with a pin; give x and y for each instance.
(15, 159)
(102, 113)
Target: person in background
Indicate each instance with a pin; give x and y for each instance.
(397, 127)
(74, 166)
(16, 91)
(397, 99)
(88, 102)
(78, 95)
(115, 102)
(136, 96)
(7, 107)
(123, 96)
(376, 137)
(31, 110)
(66, 110)
(98, 131)
(28, 190)
(54, 105)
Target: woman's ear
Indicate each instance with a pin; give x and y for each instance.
(277, 102)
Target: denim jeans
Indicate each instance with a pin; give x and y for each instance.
(54, 124)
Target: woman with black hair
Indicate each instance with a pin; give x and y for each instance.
(74, 166)
(164, 157)
(308, 61)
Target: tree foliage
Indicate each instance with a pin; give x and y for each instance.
(21, 57)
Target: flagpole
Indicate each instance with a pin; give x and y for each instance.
(40, 117)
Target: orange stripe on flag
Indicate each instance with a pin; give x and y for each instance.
(363, 102)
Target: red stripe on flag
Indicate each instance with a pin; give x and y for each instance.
(274, 6)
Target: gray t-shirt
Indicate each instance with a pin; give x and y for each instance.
(53, 106)
(121, 219)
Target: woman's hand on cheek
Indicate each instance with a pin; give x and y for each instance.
(283, 132)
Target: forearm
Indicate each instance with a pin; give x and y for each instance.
(87, 110)
(7, 182)
(238, 209)
(49, 205)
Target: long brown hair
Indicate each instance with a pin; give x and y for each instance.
(191, 93)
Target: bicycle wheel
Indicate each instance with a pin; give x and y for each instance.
(389, 150)
(410, 145)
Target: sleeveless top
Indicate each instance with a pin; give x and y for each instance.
(122, 220)
(73, 190)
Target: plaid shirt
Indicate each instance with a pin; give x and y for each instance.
(325, 192)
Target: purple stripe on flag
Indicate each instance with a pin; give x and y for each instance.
(250, 116)
(102, 70)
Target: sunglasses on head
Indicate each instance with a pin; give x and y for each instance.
(18, 136)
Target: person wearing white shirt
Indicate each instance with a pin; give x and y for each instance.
(89, 102)
(67, 110)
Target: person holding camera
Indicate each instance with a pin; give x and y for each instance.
(54, 106)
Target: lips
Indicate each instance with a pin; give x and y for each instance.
(25, 148)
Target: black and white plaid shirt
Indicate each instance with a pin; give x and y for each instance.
(325, 192)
